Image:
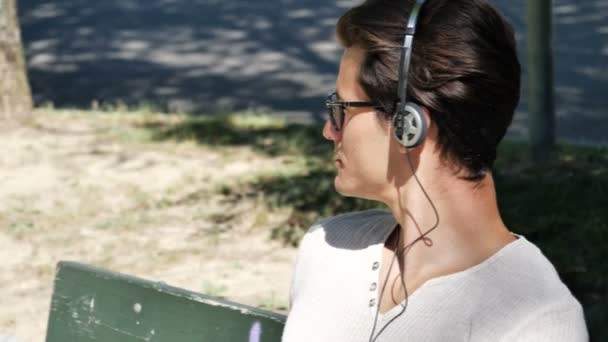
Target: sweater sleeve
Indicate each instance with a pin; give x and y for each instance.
(298, 269)
(292, 288)
(561, 322)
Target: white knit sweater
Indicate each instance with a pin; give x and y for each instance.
(514, 295)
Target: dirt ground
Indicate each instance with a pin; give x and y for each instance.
(88, 188)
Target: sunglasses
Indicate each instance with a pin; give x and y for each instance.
(335, 109)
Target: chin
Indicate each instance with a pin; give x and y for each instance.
(351, 188)
(342, 187)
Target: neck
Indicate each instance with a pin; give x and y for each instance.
(469, 228)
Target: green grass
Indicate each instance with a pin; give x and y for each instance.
(271, 136)
(560, 205)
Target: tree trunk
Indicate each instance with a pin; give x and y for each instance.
(15, 96)
(540, 72)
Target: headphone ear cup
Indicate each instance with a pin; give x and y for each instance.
(409, 127)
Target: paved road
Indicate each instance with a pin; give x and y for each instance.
(209, 56)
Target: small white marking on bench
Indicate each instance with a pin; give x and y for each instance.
(255, 332)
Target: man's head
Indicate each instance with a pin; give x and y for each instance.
(464, 70)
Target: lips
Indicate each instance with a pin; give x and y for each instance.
(337, 160)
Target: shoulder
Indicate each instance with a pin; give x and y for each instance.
(531, 275)
(354, 230)
(523, 286)
(560, 320)
(519, 272)
(341, 239)
(334, 243)
(555, 314)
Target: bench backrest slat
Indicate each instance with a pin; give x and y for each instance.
(93, 304)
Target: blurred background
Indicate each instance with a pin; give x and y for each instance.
(179, 140)
(279, 55)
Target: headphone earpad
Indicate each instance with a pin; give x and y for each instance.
(409, 127)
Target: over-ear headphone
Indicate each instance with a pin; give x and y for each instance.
(409, 123)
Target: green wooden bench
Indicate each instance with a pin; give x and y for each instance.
(93, 304)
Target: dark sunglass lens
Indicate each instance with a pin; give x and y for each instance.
(339, 113)
(332, 117)
(335, 112)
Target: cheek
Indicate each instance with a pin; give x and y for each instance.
(366, 147)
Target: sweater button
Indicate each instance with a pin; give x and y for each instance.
(372, 287)
(372, 302)
(375, 266)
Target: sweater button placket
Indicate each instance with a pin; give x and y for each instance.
(372, 301)
(375, 265)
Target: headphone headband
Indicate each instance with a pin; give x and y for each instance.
(406, 54)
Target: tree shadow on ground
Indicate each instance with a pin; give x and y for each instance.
(196, 56)
(289, 139)
(209, 56)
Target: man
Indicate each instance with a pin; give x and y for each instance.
(424, 95)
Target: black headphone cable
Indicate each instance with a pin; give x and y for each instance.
(400, 253)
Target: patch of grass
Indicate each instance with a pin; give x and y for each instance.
(311, 195)
(255, 121)
(265, 134)
(21, 228)
(214, 290)
(261, 217)
(271, 302)
(224, 189)
(127, 134)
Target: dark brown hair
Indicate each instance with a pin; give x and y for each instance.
(464, 70)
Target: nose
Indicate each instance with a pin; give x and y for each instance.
(329, 132)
